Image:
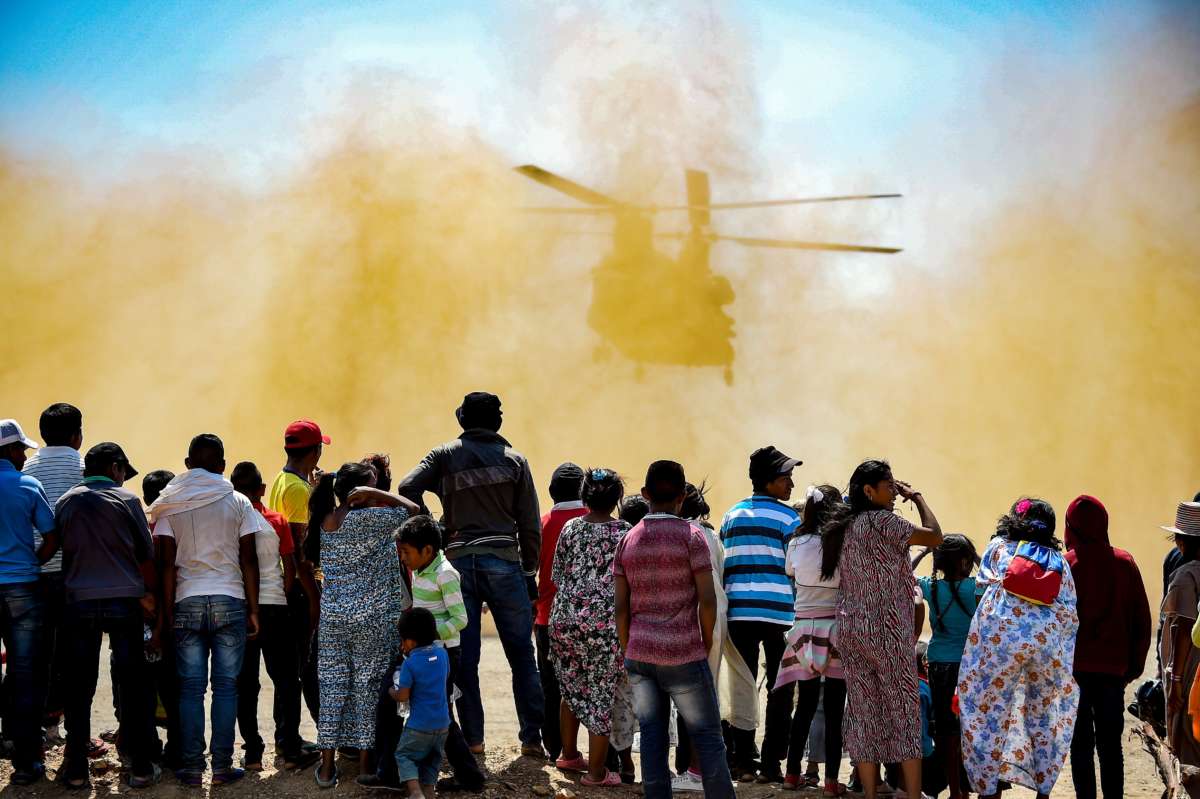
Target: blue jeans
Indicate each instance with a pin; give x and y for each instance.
(690, 687)
(205, 624)
(85, 623)
(25, 684)
(419, 755)
(499, 583)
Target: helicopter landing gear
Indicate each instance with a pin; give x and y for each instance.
(729, 375)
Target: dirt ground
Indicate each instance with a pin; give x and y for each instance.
(511, 775)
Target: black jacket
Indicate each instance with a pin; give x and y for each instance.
(487, 494)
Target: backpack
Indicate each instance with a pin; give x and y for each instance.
(1035, 573)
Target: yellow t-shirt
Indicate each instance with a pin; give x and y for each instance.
(289, 497)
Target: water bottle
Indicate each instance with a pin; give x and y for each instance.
(152, 655)
(403, 710)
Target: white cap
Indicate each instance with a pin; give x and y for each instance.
(11, 433)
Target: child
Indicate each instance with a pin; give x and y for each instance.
(951, 603)
(421, 683)
(437, 588)
(810, 655)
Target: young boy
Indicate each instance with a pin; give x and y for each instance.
(437, 588)
(421, 683)
(664, 586)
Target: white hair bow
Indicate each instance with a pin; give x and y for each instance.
(813, 494)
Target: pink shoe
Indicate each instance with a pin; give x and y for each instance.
(611, 780)
(576, 764)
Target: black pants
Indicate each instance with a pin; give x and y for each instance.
(1098, 728)
(86, 623)
(551, 731)
(276, 647)
(747, 638)
(166, 683)
(808, 696)
(54, 657)
(305, 643)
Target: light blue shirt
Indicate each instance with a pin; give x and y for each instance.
(23, 509)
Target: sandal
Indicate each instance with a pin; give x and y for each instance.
(576, 764)
(611, 780)
(325, 784)
(810, 780)
(833, 788)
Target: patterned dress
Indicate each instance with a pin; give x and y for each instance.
(584, 646)
(876, 640)
(1016, 694)
(362, 598)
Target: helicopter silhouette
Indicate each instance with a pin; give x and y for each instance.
(655, 309)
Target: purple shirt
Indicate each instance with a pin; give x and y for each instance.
(658, 559)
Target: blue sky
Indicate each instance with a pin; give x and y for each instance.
(86, 77)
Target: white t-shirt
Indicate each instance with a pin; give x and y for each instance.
(813, 595)
(270, 569)
(206, 546)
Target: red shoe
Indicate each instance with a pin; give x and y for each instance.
(792, 782)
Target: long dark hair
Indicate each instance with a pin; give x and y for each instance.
(1029, 519)
(330, 490)
(954, 549)
(833, 531)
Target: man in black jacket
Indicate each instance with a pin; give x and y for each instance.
(493, 528)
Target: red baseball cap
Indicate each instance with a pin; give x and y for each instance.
(303, 433)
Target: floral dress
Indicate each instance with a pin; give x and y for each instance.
(1017, 697)
(584, 646)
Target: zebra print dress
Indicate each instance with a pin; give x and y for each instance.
(876, 640)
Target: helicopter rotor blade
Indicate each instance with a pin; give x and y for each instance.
(774, 203)
(787, 244)
(570, 188)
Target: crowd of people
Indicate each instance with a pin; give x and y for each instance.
(625, 612)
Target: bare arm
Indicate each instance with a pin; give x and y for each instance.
(929, 534)
(248, 560)
(164, 549)
(708, 606)
(400, 694)
(50, 544)
(621, 585)
(289, 572)
(365, 495)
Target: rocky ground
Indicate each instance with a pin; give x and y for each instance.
(511, 775)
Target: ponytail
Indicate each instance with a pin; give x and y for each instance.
(321, 501)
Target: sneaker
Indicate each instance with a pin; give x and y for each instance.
(147, 780)
(29, 773)
(533, 750)
(252, 764)
(227, 776)
(303, 759)
(192, 778)
(688, 782)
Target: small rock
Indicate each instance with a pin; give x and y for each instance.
(564, 793)
(542, 790)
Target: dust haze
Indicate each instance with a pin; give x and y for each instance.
(1038, 334)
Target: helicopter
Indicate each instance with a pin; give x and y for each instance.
(658, 310)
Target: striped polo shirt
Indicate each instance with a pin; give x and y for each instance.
(755, 533)
(438, 589)
(58, 469)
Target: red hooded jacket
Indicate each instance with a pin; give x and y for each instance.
(1114, 613)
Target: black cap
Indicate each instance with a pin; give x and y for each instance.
(566, 483)
(479, 409)
(767, 463)
(104, 455)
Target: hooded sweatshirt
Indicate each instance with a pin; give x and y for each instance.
(1114, 613)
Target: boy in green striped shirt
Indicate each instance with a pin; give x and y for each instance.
(437, 587)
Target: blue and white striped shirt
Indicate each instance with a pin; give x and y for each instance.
(59, 469)
(755, 533)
